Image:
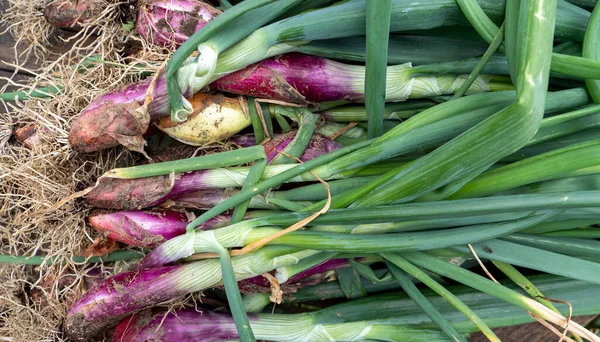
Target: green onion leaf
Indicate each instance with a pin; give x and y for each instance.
(378, 29)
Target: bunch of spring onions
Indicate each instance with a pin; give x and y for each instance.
(376, 151)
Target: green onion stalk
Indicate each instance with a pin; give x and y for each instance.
(219, 34)
(583, 233)
(554, 144)
(399, 111)
(390, 309)
(587, 67)
(533, 210)
(439, 223)
(101, 315)
(560, 225)
(108, 302)
(305, 79)
(285, 35)
(572, 183)
(535, 258)
(573, 246)
(256, 302)
(208, 326)
(125, 193)
(546, 166)
(426, 128)
(402, 48)
(405, 260)
(591, 50)
(469, 154)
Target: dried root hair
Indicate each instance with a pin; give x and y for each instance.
(102, 34)
(34, 176)
(33, 179)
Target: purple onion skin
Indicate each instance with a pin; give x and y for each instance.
(170, 23)
(71, 13)
(139, 228)
(128, 194)
(147, 229)
(293, 77)
(108, 302)
(243, 140)
(114, 193)
(318, 145)
(201, 200)
(329, 265)
(114, 118)
(97, 275)
(186, 325)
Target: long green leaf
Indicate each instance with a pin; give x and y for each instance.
(378, 29)
(497, 290)
(414, 271)
(210, 161)
(50, 260)
(477, 149)
(350, 282)
(487, 56)
(537, 259)
(564, 245)
(295, 149)
(402, 49)
(371, 243)
(478, 19)
(416, 295)
(259, 131)
(234, 298)
(546, 166)
(591, 50)
(524, 283)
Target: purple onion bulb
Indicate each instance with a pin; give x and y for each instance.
(169, 23)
